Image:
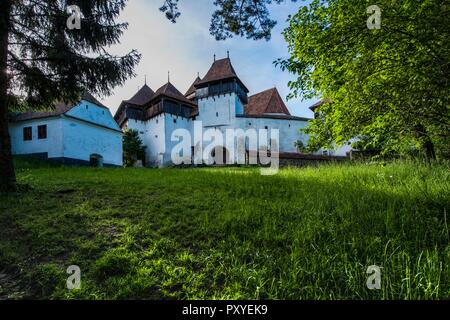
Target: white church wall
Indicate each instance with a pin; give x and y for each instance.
(155, 138)
(52, 145)
(289, 130)
(219, 110)
(173, 123)
(152, 134)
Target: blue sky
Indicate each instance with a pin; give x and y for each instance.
(186, 48)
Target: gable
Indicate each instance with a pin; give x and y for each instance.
(88, 111)
(266, 102)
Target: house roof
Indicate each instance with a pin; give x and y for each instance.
(220, 70)
(169, 90)
(142, 97)
(266, 102)
(58, 109)
(191, 89)
(90, 98)
(319, 103)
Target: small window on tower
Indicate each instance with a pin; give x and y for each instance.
(266, 127)
(27, 134)
(217, 114)
(174, 120)
(42, 132)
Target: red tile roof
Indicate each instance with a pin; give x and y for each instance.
(168, 90)
(220, 70)
(191, 89)
(268, 101)
(142, 97)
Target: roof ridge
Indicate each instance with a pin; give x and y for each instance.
(267, 101)
(173, 93)
(90, 98)
(221, 69)
(191, 89)
(266, 90)
(141, 97)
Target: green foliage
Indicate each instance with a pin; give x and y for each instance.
(114, 263)
(160, 234)
(133, 149)
(48, 62)
(234, 18)
(301, 147)
(47, 277)
(389, 87)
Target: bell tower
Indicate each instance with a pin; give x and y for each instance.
(220, 95)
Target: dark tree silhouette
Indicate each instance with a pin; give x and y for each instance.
(244, 18)
(42, 60)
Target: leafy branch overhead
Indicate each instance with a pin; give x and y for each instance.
(244, 18)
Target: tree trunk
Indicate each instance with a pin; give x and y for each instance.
(428, 145)
(7, 174)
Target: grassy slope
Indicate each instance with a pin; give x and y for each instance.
(228, 233)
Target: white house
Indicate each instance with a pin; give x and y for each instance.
(220, 101)
(84, 133)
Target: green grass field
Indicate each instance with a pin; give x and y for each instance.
(228, 233)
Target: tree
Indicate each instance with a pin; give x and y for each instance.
(249, 18)
(389, 87)
(300, 146)
(133, 149)
(44, 61)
